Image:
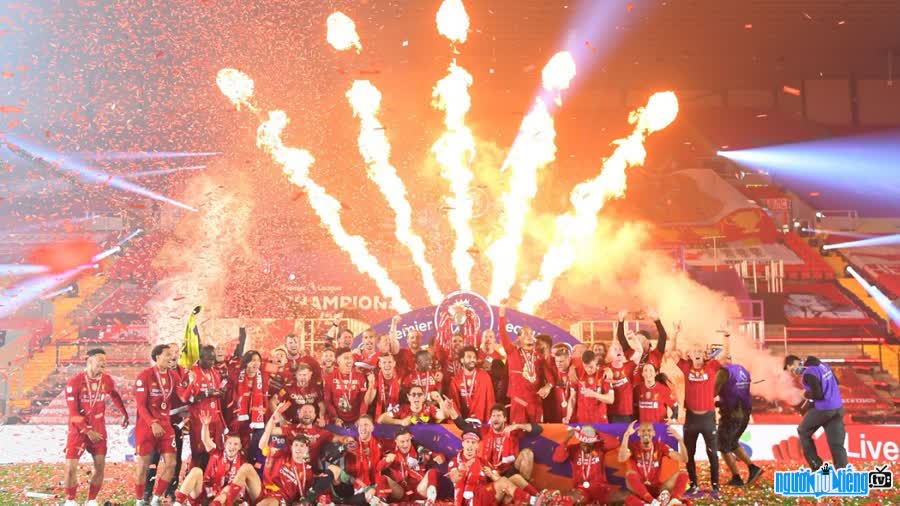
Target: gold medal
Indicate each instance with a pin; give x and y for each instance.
(586, 484)
(162, 405)
(565, 404)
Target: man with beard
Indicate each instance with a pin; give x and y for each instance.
(299, 392)
(86, 394)
(528, 384)
(297, 356)
(363, 454)
(641, 347)
(645, 457)
(387, 386)
(327, 360)
(500, 445)
(494, 362)
(366, 352)
(588, 459)
(405, 473)
(424, 375)
(291, 479)
(202, 391)
(349, 392)
(562, 373)
(406, 357)
(591, 393)
(276, 368)
(623, 384)
(417, 409)
(448, 358)
(470, 388)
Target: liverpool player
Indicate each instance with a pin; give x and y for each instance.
(588, 459)
(290, 478)
(407, 474)
(387, 386)
(528, 384)
(700, 418)
(154, 391)
(418, 409)
(623, 384)
(348, 393)
(301, 391)
(86, 394)
(475, 483)
(645, 457)
(500, 445)
(471, 388)
(562, 373)
(297, 355)
(201, 390)
(424, 375)
(362, 456)
(591, 393)
(226, 472)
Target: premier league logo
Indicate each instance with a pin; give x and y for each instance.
(465, 313)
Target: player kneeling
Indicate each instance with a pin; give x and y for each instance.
(227, 475)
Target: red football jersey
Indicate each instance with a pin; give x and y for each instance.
(587, 466)
(362, 458)
(298, 396)
(289, 479)
(648, 463)
(387, 397)
(315, 436)
(623, 386)
(86, 400)
(220, 471)
(699, 384)
(526, 369)
(652, 402)
(344, 395)
(589, 409)
(154, 392)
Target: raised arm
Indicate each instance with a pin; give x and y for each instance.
(395, 341)
(624, 451)
(660, 330)
(242, 341)
(504, 336)
(270, 425)
(561, 452)
(208, 443)
(681, 455)
(620, 332)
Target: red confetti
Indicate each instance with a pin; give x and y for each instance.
(791, 91)
(10, 108)
(46, 133)
(629, 7)
(748, 26)
(12, 124)
(65, 255)
(814, 194)
(176, 299)
(8, 74)
(159, 54)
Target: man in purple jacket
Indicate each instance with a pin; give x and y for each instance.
(822, 391)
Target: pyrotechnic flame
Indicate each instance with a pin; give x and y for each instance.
(342, 32)
(454, 152)
(588, 197)
(376, 151)
(295, 164)
(453, 21)
(237, 86)
(533, 149)
(558, 74)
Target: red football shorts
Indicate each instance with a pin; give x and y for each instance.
(146, 443)
(77, 444)
(532, 413)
